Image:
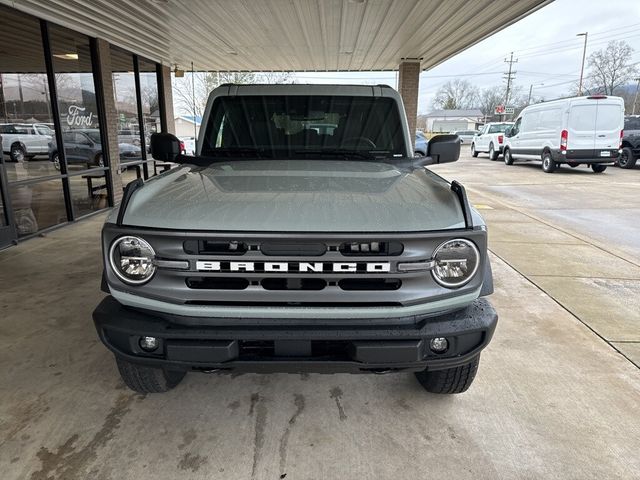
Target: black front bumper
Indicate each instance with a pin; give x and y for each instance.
(400, 344)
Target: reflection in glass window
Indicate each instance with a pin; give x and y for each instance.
(124, 89)
(150, 104)
(37, 206)
(88, 192)
(76, 97)
(26, 123)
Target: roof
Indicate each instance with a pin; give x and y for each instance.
(278, 35)
(472, 113)
(189, 118)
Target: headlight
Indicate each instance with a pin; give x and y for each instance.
(456, 262)
(131, 259)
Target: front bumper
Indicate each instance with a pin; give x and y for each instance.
(401, 344)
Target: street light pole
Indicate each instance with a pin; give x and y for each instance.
(584, 54)
(635, 99)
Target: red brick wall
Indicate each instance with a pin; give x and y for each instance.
(408, 83)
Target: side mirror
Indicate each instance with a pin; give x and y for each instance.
(507, 132)
(165, 147)
(443, 149)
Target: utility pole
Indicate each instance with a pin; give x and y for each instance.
(584, 54)
(635, 99)
(509, 76)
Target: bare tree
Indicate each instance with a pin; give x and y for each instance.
(610, 68)
(489, 99)
(192, 91)
(456, 94)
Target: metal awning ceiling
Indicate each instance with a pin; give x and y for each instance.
(265, 35)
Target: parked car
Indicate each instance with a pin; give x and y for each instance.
(282, 249)
(572, 131)
(630, 142)
(490, 139)
(85, 147)
(420, 146)
(466, 136)
(25, 140)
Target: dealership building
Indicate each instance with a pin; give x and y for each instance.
(83, 85)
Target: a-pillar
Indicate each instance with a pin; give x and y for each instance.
(408, 86)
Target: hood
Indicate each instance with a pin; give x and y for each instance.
(296, 196)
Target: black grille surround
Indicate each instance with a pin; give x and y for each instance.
(328, 288)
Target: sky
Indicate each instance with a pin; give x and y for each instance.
(545, 44)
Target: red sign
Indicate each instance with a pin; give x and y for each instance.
(500, 110)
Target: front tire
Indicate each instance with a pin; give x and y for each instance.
(492, 153)
(55, 159)
(627, 159)
(598, 168)
(474, 152)
(17, 153)
(508, 159)
(450, 380)
(548, 165)
(144, 379)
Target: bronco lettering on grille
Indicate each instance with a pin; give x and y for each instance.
(293, 267)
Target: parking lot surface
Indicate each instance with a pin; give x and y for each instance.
(557, 394)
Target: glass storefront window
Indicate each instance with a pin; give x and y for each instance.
(150, 105)
(37, 206)
(26, 122)
(124, 90)
(76, 99)
(88, 192)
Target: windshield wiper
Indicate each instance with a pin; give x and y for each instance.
(346, 153)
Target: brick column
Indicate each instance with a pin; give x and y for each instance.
(408, 83)
(110, 130)
(166, 94)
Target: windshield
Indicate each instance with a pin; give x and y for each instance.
(500, 128)
(94, 135)
(297, 126)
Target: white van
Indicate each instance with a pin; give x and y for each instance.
(575, 131)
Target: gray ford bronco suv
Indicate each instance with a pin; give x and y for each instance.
(303, 236)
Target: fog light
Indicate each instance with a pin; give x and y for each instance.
(438, 345)
(149, 344)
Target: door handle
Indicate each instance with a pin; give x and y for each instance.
(601, 136)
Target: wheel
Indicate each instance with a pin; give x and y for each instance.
(508, 159)
(492, 153)
(627, 159)
(451, 380)
(548, 165)
(598, 167)
(418, 154)
(56, 161)
(474, 153)
(17, 153)
(143, 379)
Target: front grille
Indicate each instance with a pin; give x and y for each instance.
(301, 270)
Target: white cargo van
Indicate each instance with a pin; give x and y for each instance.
(575, 131)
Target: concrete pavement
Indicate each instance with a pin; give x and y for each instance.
(552, 398)
(573, 233)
